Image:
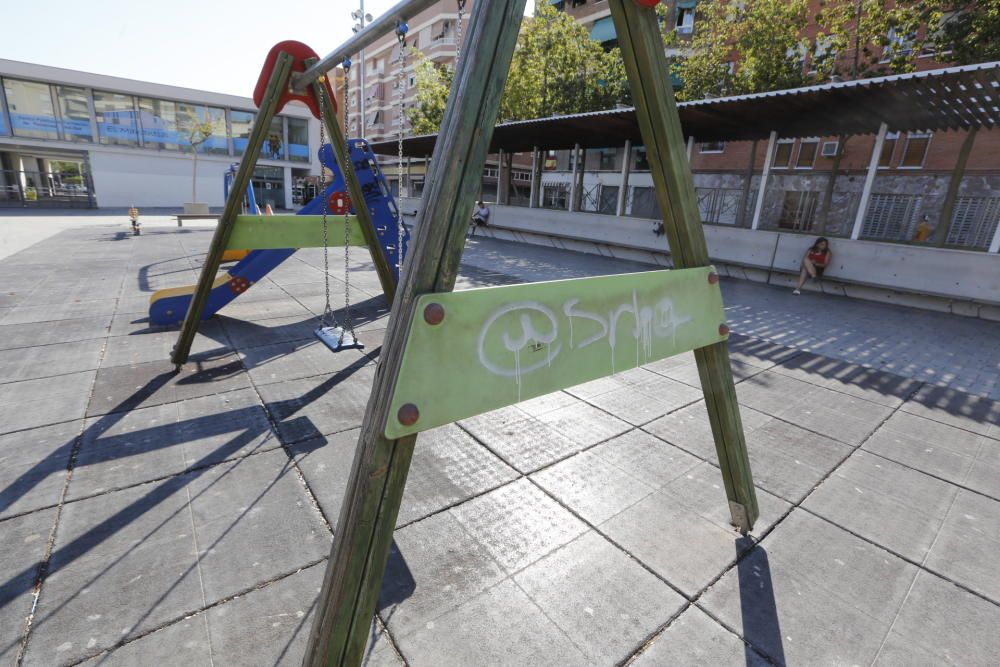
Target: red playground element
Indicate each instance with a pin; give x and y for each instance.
(647, 3)
(239, 284)
(300, 52)
(339, 203)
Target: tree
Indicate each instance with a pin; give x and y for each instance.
(971, 31)
(433, 82)
(761, 45)
(556, 69)
(195, 131)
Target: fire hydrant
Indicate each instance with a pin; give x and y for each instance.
(133, 215)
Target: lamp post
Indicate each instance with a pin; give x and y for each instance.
(361, 18)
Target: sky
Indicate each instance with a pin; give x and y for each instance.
(214, 45)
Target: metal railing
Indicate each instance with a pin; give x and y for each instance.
(974, 222)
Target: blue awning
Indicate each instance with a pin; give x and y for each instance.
(686, 4)
(603, 30)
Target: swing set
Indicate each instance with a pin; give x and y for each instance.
(451, 355)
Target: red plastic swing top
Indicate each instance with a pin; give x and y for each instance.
(300, 52)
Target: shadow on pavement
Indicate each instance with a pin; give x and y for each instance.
(758, 607)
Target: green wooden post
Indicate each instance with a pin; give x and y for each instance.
(339, 144)
(656, 110)
(378, 475)
(275, 86)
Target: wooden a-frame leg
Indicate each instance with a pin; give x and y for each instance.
(378, 475)
(275, 87)
(649, 77)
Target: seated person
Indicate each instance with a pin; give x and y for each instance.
(816, 260)
(480, 218)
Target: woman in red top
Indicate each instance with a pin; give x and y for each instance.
(816, 260)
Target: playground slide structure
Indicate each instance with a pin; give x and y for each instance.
(169, 306)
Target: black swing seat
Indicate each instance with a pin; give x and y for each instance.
(338, 338)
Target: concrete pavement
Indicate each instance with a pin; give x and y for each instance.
(185, 519)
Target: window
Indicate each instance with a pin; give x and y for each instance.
(685, 19)
(274, 145)
(915, 151)
(807, 153)
(158, 119)
(412, 83)
(607, 158)
(888, 148)
(116, 119)
(783, 153)
(899, 45)
(241, 122)
(555, 195)
(190, 116)
(31, 110)
(298, 139)
(74, 114)
(641, 160)
(712, 147)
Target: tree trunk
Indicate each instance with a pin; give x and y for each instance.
(194, 176)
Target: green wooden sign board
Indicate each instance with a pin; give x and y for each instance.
(268, 232)
(477, 350)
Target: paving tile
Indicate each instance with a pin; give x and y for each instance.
(646, 458)
(322, 405)
(50, 360)
(123, 449)
(682, 532)
(266, 310)
(954, 454)
(295, 360)
(182, 643)
(639, 407)
(244, 334)
(80, 610)
(896, 507)
(449, 467)
(584, 424)
(509, 629)
(603, 600)
(784, 459)
(940, 623)
(325, 462)
(138, 348)
(972, 413)
(518, 524)
(28, 312)
(683, 368)
(33, 466)
(123, 388)
(45, 333)
(22, 550)
(876, 386)
(270, 625)
(434, 567)
(966, 547)
(759, 352)
(522, 441)
(547, 403)
(254, 521)
(839, 416)
(34, 403)
(694, 639)
(812, 594)
(590, 486)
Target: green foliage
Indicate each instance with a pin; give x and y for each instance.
(196, 130)
(557, 69)
(774, 44)
(971, 31)
(433, 83)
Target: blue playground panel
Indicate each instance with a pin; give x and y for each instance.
(246, 273)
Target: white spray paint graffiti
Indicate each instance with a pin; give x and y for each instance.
(658, 321)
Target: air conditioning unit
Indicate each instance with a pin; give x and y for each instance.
(830, 148)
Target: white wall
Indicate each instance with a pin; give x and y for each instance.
(126, 178)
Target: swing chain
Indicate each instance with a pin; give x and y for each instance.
(327, 309)
(347, 164)
(458, 32)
